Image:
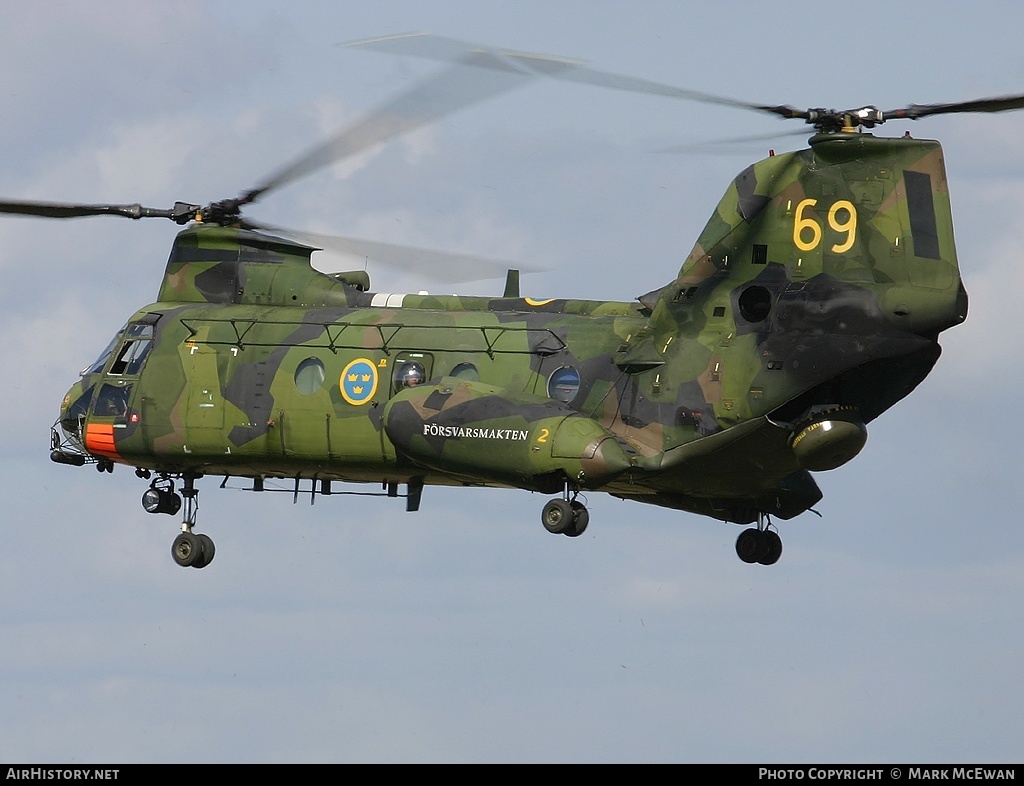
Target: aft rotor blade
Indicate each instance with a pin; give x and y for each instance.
(75, 210)
(450, 50)
(473, 77)
(996, 104)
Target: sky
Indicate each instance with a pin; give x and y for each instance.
(352, 631)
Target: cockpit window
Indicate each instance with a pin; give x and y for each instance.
(113, 400)
(71, 420)
(129, 360)
(97, 367)
(137, 341)
(139, 331)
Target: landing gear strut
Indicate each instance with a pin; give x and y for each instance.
(759, 544)
(566, 516)
(189, 549)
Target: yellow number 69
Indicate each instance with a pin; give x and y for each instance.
(804, 224)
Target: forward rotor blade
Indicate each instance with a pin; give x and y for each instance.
(442, 267)
(74, 210)
(721, 145)
(473, 77)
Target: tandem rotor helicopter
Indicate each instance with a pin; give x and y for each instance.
(811, 303)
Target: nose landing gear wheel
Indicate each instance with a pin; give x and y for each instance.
(186, 549)
(192, 551)
(208, 549)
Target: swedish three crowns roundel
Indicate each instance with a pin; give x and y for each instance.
(359, 381)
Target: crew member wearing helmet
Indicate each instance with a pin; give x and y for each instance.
(409, 375)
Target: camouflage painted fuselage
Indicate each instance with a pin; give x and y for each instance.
(816, 291)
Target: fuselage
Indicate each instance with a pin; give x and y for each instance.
(798, 307)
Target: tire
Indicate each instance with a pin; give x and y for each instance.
(187, 550)
(208, 550)
(580, 519)
(774, 543)
(556, 516)
(751, 545)
(206, 542)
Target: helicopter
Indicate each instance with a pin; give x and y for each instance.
(811, 303)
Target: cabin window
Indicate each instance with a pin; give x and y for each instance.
(466, 371)
(309, 376)
(564, 384)
(411, 369)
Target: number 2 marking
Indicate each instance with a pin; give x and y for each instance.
(543, 435)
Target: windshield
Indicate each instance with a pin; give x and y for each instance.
(97, 367)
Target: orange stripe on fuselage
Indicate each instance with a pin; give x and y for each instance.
(99, 439)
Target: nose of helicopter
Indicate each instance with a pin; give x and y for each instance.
(72, 402)
(66, 434)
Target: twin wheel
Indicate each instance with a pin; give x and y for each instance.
(192, 550)
(763, 546)
(562, 517)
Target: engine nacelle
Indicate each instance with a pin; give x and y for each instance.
(830, 440)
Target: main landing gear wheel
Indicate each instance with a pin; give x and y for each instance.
(763, 546)
(774, 547)
(556, 516)
(561, 517)
(580, 519)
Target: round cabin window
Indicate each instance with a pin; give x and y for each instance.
(309, 376)
(564, 384)
(466, 371)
